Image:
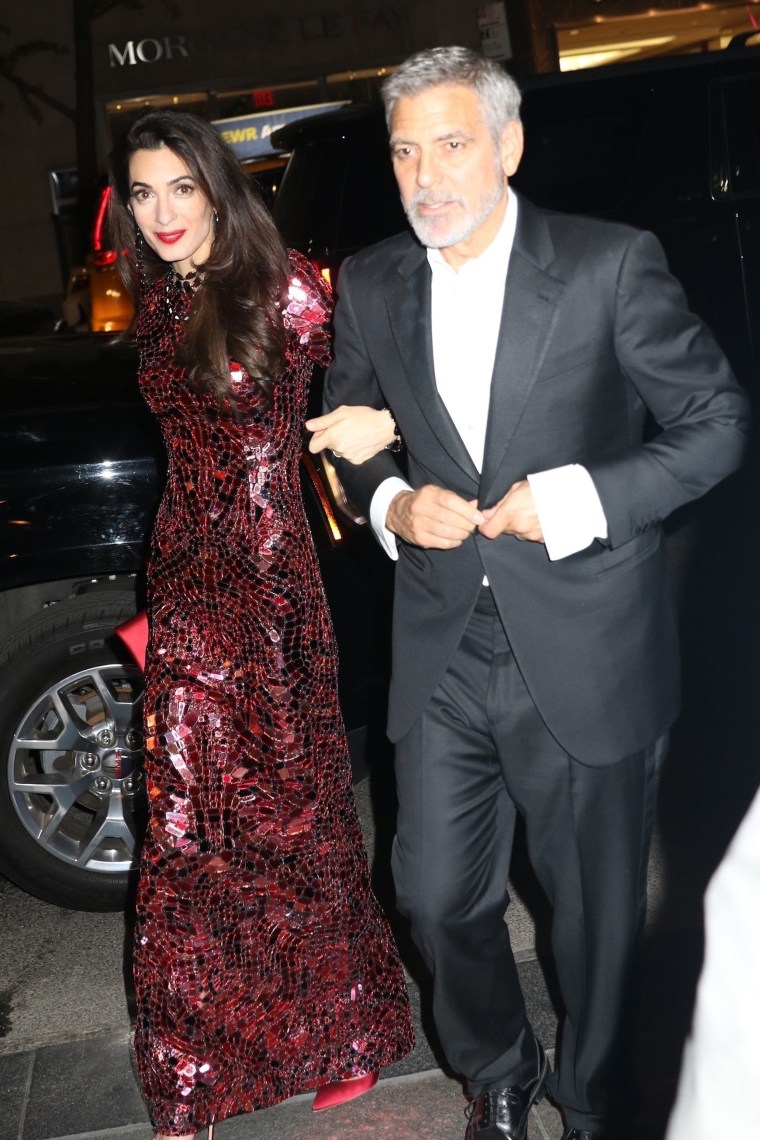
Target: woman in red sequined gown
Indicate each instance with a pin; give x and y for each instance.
(263, 964)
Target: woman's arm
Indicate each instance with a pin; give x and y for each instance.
(353, 433)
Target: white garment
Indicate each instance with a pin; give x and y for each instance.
(718, 1087)
(568, 508)
(466, 307)
(466, 317)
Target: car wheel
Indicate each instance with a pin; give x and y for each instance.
(72, 802)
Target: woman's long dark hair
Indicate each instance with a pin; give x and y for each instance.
(236, 315)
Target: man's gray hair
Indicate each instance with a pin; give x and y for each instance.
(459, 67)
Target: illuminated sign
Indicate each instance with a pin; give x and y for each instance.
(248, 135)
(494, 31)
(148, 51)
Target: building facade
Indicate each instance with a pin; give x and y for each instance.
(222, 60)
(234, 58)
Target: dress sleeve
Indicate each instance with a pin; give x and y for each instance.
(308, 310)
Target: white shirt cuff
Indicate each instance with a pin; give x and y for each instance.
(378, 510)
(569, 509)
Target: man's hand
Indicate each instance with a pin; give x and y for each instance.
(515, 514)
(433, 518)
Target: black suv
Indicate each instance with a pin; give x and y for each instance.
(671, 146)
(81, 468)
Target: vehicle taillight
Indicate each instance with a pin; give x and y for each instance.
(325, 271)
(334, 531)
(100, 221)
(329, 272)
(102, 258)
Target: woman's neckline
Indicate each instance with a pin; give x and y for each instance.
(177, 289)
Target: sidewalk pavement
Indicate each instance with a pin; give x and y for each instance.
(419, 1106)
(65, 1070)
(80, 1090)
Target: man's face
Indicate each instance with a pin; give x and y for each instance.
(451, 173)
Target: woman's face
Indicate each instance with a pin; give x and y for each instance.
(174, 215)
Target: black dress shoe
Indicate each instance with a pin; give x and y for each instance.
(502, 1114)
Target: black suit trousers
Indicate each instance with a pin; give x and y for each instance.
(480, 754)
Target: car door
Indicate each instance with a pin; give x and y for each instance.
(738, 185)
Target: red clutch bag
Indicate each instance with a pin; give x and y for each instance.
(134, 633)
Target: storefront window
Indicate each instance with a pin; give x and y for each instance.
(246, 101)
(348, 86)
(357, 86)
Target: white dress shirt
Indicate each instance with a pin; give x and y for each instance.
(467, 305)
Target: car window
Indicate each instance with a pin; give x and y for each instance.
(672, 171)
(267, 174)
(741, 105)
(376, 210)
(580, 153)
(339, 194)
(307, 206)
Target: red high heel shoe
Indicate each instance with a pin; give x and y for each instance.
(338, 1092)
(134, 633)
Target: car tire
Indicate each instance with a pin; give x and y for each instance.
(71, 790)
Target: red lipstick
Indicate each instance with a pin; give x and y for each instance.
(169, 237)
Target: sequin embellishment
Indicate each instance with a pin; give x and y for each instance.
(263, 964)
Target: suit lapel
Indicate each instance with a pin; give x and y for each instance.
(527, 324)
(409, 311)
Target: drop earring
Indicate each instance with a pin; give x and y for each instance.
(139, 250)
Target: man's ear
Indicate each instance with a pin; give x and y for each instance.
(511, 147)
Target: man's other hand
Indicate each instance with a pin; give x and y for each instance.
(515, 514)
(433, 517)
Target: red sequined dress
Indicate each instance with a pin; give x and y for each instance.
(263, 964)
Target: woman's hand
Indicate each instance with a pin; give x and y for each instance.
(352, 433)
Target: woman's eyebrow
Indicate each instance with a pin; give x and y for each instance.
(171, 182)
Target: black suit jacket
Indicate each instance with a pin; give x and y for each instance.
(594, 331)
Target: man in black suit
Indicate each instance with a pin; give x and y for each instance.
(535, 658)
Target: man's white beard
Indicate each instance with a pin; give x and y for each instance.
(440, 233)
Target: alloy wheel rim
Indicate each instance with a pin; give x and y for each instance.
(75, 768)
